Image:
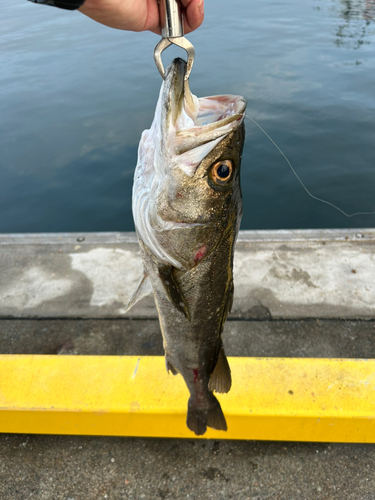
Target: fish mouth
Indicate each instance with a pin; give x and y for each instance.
(198, 121)
(174, 86)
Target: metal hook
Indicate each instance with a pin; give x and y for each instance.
(172, 33)
(181, 42)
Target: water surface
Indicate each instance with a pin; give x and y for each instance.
(75, 97)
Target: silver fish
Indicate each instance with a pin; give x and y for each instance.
(187, 209)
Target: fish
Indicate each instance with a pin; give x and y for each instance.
(187, 208)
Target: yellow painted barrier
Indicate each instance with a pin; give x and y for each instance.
(271, 398)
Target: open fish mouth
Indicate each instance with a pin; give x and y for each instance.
(172, 191)
(195, 122)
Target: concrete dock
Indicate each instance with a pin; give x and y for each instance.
(297, 294)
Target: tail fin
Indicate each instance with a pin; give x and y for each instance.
(206, 414)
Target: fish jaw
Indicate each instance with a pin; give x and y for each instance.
(177, 214)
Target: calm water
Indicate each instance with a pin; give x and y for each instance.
(75, 97)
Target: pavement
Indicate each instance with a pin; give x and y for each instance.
(93, 468)
(298, 294)
(277, 274)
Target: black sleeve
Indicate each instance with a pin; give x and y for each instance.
(62, 4)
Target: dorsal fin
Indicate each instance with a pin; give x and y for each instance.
(172, 289)
(144, 288)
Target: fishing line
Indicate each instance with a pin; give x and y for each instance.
(299, 180)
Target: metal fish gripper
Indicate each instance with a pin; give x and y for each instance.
(172, 32)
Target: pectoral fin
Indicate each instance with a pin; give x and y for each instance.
(220, 380)
(170, 367)
(144, 288)
(172, 289)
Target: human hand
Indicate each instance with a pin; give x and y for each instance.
(139, 15)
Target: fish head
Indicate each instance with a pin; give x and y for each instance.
(186, 192)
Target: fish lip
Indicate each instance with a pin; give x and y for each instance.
(174, 85)
(176, 70)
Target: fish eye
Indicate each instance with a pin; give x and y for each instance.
(221, 172)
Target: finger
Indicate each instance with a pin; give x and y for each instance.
(153, 19)
(194, 14)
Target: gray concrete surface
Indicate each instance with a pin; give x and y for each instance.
(302, 338)
(279, 274)
(309, 276)
(91, 468)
